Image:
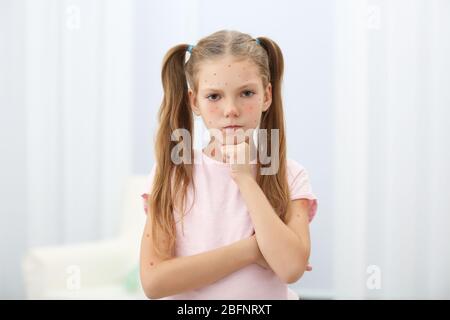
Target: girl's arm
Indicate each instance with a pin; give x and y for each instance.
(161, 278)
(286, 247)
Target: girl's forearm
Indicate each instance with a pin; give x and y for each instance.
(187, 273)
(280, 246)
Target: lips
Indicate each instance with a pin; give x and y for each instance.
(232, 127)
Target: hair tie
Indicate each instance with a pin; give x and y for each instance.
(189, 48)
(257, 41)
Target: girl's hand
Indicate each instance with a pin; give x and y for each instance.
(261, 261)
(259, 258)
(238, 156)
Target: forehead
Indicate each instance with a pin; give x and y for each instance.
(227, 71)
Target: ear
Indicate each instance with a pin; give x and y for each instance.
(267, 97)
(193, 102)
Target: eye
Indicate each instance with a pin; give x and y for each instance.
(214, 97)
(247, 92)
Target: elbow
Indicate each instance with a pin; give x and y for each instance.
(295, 271)
(151, 288)
(151, 293)
(293, 276)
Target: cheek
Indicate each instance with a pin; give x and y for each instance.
(249, 106)
(210, 121)
(212, 115)
(213, 111)
(251, 110)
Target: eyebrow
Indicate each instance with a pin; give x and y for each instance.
(241, 87)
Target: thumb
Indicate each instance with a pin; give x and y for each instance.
(223, 150)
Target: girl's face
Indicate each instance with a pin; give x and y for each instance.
(230, 93)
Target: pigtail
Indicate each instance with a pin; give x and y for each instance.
(171, 180)
(273, 118)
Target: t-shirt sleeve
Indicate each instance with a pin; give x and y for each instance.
(148, 184)
(300, 186)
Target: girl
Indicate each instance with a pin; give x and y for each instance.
(217, 228)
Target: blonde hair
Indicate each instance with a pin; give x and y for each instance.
(171, 181)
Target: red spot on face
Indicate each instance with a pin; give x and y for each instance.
(229, 66)
(151, 263)
(214, 74)
(147, 235)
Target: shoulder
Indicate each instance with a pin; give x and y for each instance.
(296, 173)
(148, 182)
(147, 188)
(294, 168)
(300, 185)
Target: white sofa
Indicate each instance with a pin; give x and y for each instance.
(95, 270)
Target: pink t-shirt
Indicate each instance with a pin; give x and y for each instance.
(219, 217)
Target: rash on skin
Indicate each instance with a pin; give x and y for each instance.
(227, 74)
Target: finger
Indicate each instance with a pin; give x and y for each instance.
(215, 136)
(225, 140)
(228, 152)
(243, 137)
(223, 153)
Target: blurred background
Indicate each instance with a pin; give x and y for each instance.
(367, 105)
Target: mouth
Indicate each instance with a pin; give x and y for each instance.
(231, 129)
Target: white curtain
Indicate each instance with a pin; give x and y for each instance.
(67, 71)
(78, 116)
(392, 155)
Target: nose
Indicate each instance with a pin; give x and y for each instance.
(231, 110)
